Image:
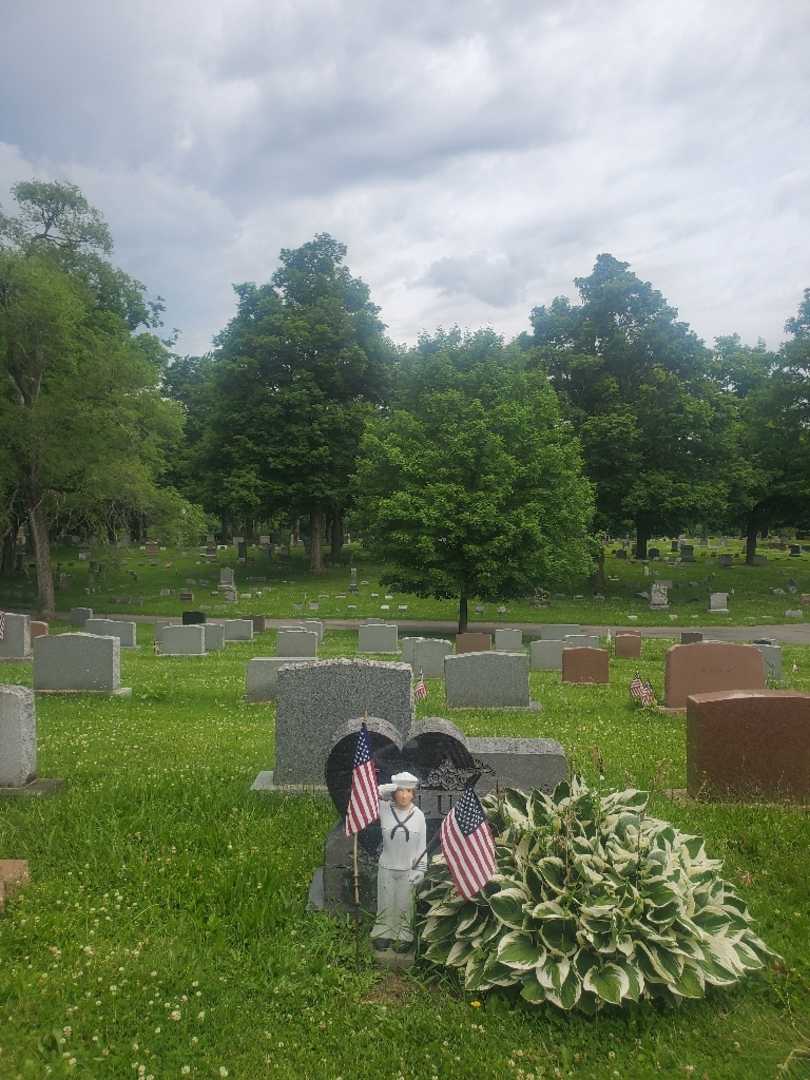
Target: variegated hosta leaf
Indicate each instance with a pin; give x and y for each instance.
(595, 903)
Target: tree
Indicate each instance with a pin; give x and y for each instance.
(85, 426)
(475, 488)
(297, 372)
(770, 469)
(634, 381)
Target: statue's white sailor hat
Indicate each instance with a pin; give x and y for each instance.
(405, 780)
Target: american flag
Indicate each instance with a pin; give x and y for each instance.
(2, 625)
(642, 692)
(467, 845)
(420, 690)
(364, 800)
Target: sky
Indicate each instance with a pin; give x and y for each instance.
(474, 156)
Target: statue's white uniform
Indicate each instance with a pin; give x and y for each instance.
(404, 840)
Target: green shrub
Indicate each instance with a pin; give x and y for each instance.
(594, 903)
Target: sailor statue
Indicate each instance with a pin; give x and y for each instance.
(404, 836)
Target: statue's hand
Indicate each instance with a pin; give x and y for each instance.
(415, 877)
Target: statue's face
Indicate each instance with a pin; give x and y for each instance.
(403, 797)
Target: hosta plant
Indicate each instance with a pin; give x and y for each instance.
(594, 903)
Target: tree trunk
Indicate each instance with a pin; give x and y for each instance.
(8, 551)
(315, 529)
(462, 614)
(750, 541)
(42, 553)
(642, 536)
(337, 537)
(599, 578)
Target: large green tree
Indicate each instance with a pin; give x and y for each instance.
(634, 380)
(472, 486)
(85, 426)
(297, 372)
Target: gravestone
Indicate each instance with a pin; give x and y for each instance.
(487, 680)
(621, 554)
(508, 640)
(659, 596)
(295, 642)
(261, 677)
(429, 656)
(315, 698)
(182, 641)
(585, 665)
(726, 561)
(772, 655)
(193, 618)
(226, 580)
(186, 597)
(559, 631)
(117, 628)
(718, 603)
(707, 667)
(316, 625)
(795, 551)
(238, 630)
(748, 743)
(627, 646)
(546, 655)
(407, 646)
(691, 637)
(241, 550)
(581, 641)
(214, 636)
(259, 623)
(687, 553)
(654, 553)
(16, 641)
(38, 629)
(78, 663)
(467, 643)
(18, 736)
(379, 638)
(674, 547)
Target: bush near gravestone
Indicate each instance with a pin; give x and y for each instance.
(595, 903)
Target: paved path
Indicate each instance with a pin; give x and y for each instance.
(786, 633)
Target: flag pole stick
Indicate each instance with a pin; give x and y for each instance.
(356, 875)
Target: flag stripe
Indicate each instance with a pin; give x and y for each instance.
(364, 804)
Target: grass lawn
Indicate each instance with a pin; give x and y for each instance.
(284, 588)
(165, 933)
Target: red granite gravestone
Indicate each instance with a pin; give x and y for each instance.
(473, 643)
(628, 646)
(746, 743)
(585, 665)
(706, 667)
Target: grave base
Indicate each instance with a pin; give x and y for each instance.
(681, 795)
(264, 782)
(394, 961)
(533, 706)
(671, 710)
(16, 659)
(36, 788)
(122, 691)
(182, 655)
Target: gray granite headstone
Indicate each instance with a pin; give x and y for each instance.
(718, 602)
(487, 680)
(508, 640)
(316, 697)
(316, 625)
(80, 615)
(294, 642)
(124, 631)
(18, 736)
(772, 655)
(582, 641)
(238, 629)
(378, 638)
(546, 655)
(226, 577)
(261, 676)
(558, 631)
(214, 637)
(182, 641)
(429, 654)
(16, 642)
(78, 662)
(407, 646)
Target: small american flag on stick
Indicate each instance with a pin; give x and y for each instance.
(642, 692)
(467, 845)
(420, 691)
(2, 625)
(364, 799)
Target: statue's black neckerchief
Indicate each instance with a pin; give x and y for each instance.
(401, 825)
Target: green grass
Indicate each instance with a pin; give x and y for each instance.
(162, 885)
(284, 588)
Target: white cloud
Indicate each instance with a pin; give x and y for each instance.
(474, 156)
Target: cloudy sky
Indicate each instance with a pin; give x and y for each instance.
(475, 156)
